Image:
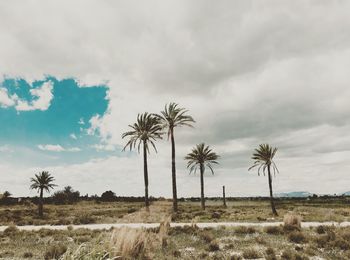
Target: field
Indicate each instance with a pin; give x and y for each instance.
(179, 243)
(84, 212)
(189, 242)
(255, 210)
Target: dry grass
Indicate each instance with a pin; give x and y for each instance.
(128, 242)
(292, 220)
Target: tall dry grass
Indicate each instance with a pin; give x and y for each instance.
(129, 242)
(292, 221)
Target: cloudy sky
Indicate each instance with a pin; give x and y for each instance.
(74, 74)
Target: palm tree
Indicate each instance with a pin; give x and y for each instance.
(263, 157)
(42, 181)
(201, 156)
(145, 131)
(172, 117)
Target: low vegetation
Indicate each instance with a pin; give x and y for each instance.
(84, 212)
(187, 242)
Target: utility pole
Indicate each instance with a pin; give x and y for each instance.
(223, 195)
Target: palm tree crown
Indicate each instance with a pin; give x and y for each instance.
(263, 157)
(201, 154)
(146, 130)
(42, 181)
(173, 116)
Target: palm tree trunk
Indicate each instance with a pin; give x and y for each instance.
(274, 211)
(145, 173)
(224, 195)
(202, 186)
(41, 203)
(173, 169)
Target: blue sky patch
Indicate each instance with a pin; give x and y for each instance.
(50, 112)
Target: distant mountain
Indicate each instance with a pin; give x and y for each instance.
(346, 193)
(294, 194)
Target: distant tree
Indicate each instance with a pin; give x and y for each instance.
(200, 157)
(108, 196)
(263, 159)
(171, 117)
(42, 181)
(6, 195)
(145, 132)
(67, 195)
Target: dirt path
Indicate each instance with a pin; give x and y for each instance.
(153, 225)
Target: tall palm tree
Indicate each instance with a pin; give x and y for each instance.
(145, 131)
(201, 156)
(263, 157)
(42, 181)
(172, 117)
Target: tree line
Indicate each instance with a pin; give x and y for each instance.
(150, 127)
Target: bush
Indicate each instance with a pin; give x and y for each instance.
(214, 246)
(341, 244)
(251, 253)
(291, 222)
(270, 254)
(55, 251)
(67, 195)
(274, 230)
(27, 255)
(245, 230)
(297, 237)
(108, 196)
(84, 219)
(11, 230)
(206, 236)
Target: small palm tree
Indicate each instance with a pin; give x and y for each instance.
(263, 157)
(201, 156)
(172, 117)
(145, 132)
(42, 181)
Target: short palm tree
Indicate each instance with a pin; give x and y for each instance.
(42, 181)
(172, 117)
(263, 159)
(200, 157)
(145, 132)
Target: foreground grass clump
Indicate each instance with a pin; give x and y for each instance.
(251, 253)
(128, 242)
(55, 251)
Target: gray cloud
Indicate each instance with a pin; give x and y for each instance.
(248, 71)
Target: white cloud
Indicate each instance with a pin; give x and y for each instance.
(248, 71)
(57, 148)
(43, 99)
(6, 149)
(5, 99)
(73, 136)
(104, 147)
